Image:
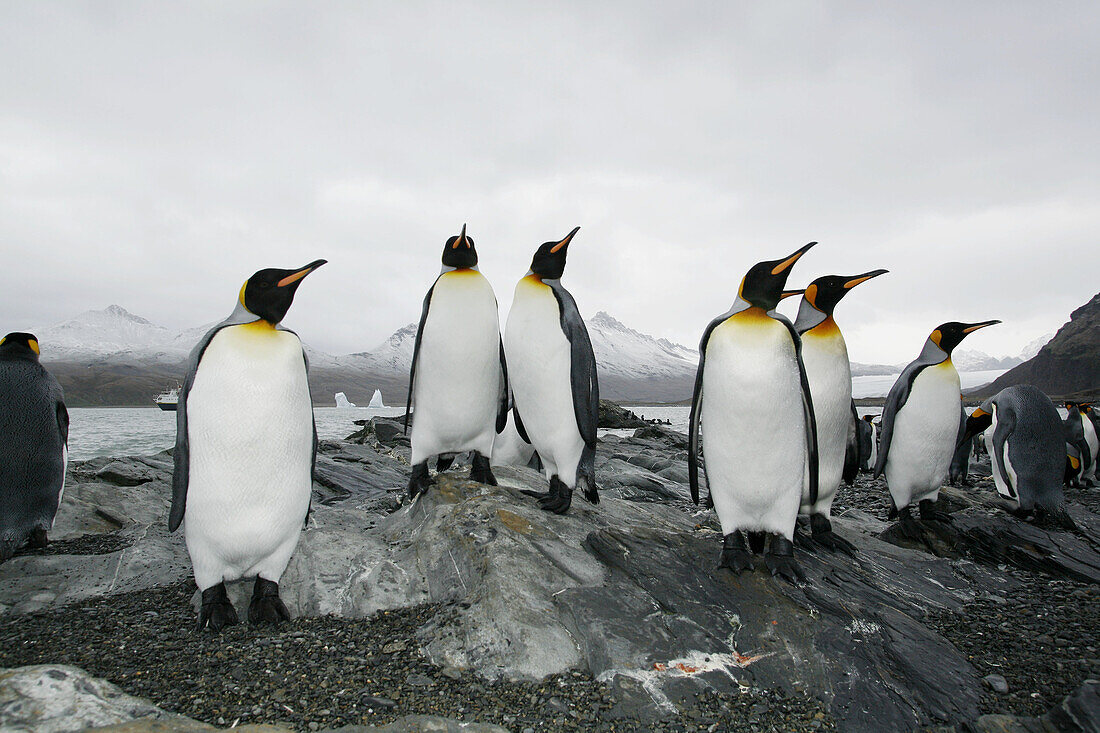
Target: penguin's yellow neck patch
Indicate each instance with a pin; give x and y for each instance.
(826, 328)
(946, 363)
(533, 281)
(259, 327)
(754, 315)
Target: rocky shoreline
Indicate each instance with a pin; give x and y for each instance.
(473, 605)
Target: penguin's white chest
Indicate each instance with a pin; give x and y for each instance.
(1093, 443)
(539, 364)
(923, 439)
(458, 376)
(250, 432)
(829, 374)
(1004, 476)
(753, 427)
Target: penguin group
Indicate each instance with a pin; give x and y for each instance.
(772, 424)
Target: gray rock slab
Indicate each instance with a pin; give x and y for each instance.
(54, 698)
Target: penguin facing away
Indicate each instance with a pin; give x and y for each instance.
(920, 425)
(553, 375)
(246, 444)
(1088, 432)
(458, 381)
(753, 409)
(34, 437)
(829, 374)
(1025, 451)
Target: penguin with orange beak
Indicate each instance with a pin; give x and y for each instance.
(246, 444)
(920, 426)
(830, 376)
(753, 410)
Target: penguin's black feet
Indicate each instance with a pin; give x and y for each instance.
(419, 481)
(266, 607)
(929, 513)
(735, 554)
(780, 560)
(38, 538)
(822, 530)
(908, 527)
(481, 472)
(559, 498)
(216, 610)
(442, 463)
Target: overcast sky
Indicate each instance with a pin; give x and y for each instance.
(155, 154)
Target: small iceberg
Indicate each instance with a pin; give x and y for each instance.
(376, 400)
(342, 400)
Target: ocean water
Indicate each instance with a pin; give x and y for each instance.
(122, 431)
(138, 431)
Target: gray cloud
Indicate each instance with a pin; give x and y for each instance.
(155, 155)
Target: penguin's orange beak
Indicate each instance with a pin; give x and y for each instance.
(299, 274)
(787, 263)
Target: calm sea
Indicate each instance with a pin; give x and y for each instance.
(122, 431)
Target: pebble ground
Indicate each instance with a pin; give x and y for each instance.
(323, 672)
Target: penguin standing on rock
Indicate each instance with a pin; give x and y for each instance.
(1025, 451)
(830, 377)
(554, 381)
(246, 443)
(34, 435)
(458, 382)
(753, 406)
(920, 425)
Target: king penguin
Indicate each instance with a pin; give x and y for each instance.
(1084, 434)
(960, 459)
(1026, 451)
(830, 376)
(34, 437)
(458, 381)
(920, 425)
(554, 384)
(246, 444)
(753, 407)
(868, 453)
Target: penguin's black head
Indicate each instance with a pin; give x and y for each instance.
(948, 335)
(459, 251)
(825, 292)
(269, 293)
(20, 342)
(549, 261)
(763, 284)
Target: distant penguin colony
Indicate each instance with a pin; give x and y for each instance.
(246, 444)
(772, 424)
(34, 435)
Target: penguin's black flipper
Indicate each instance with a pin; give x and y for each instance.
(896, 400)
(585, 385)
(807, 409)
(63, 422)
(502, 410)
(519, 425)
(696, 406)
(852, 450)
(416, 352)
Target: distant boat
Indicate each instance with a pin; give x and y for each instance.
(342, 400)
(376, 400)
(169, 399)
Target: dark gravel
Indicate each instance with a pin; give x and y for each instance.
(89, 544)
(319, 672)
(1044, 639)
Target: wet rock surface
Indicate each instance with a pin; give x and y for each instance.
(612, 617)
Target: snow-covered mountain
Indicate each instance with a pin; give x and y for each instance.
(1033, 347)
(107, 332)
(624, 352)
